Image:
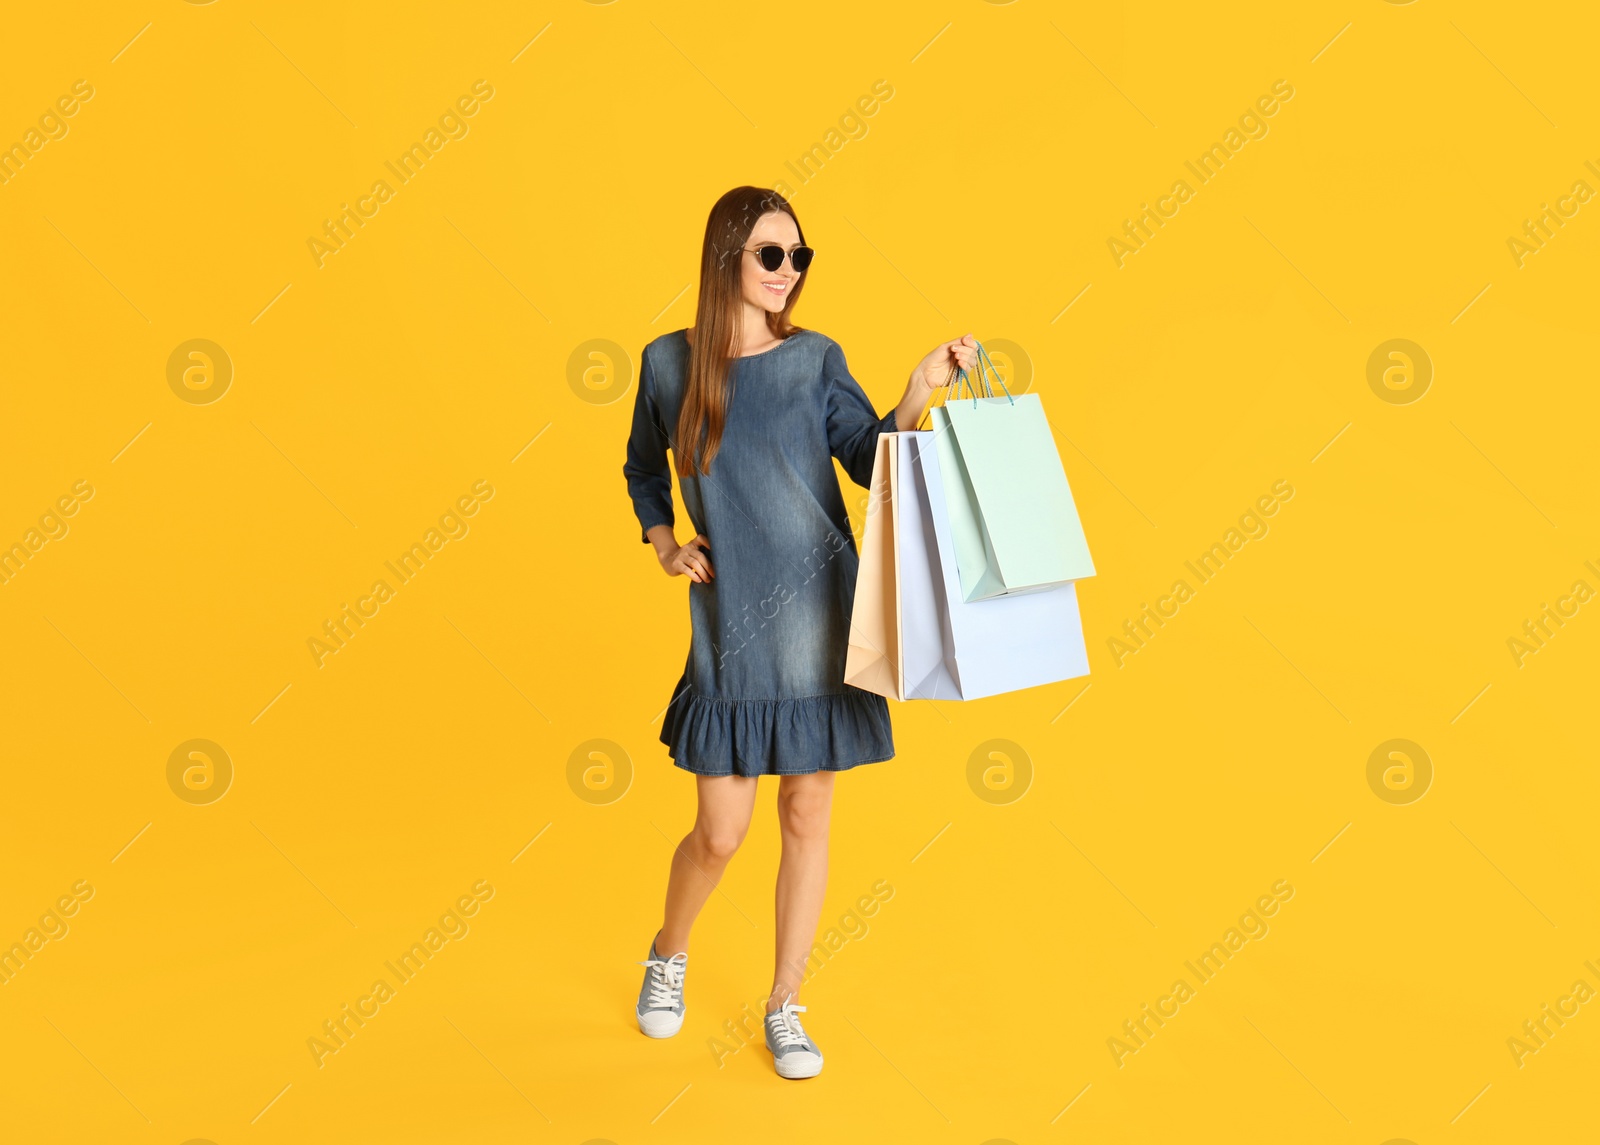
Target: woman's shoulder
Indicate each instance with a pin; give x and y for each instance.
(675, 343)
(811, 345)
(666, 356)
(815, 338)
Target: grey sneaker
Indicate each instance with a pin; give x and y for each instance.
(794, 1055)
(660, 1009)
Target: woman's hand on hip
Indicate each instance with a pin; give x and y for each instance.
(690, 559)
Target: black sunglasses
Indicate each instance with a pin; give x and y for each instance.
(772, 257)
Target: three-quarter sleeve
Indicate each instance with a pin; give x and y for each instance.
(648, 472)
(853, 426)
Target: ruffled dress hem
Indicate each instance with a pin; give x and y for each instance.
(798, 735)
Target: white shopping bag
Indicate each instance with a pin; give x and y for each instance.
(1003, 644)
(927, 657)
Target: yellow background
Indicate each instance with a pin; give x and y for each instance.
(373, 391)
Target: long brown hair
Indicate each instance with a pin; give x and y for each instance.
(719, 316)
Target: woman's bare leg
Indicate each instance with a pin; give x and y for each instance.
(804, 805)
(720, 823)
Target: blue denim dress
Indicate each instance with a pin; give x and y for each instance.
(763, 691)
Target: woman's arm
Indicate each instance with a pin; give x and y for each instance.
(649, 478)
(647, 471)
(853, 426)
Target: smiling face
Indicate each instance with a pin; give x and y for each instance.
(764, 289)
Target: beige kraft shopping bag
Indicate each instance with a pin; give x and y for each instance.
(872, 661)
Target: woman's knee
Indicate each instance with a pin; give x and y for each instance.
(719, 841)
(804, 813)
(723, 817)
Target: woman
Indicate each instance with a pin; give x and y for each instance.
(754, 410)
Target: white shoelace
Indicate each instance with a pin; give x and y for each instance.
(666, 981)
(786, 1029)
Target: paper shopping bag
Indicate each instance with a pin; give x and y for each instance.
(978, 570)
(1013, 521)
(872, 660)
(899, 634)
(1007, 643)
(927, 656)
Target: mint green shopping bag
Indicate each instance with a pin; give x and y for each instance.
(1013, 522)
